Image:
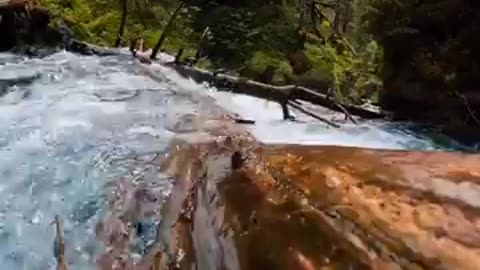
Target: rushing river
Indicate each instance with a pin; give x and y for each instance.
(73, 130)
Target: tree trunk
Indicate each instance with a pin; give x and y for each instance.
(122, 23)
(164, 34)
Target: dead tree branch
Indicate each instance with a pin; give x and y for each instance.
(467, 106)
(320, 14)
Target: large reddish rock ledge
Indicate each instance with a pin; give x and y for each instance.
(239, 205)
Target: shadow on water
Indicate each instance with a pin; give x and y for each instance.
(444, 142)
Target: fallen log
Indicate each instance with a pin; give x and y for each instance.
(350, 109)
(279, 94)
(238, 85)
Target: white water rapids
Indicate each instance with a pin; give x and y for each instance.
(63, 137)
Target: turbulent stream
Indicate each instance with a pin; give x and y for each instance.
(84, 121)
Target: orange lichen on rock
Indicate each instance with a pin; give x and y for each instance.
(411, 207)
(236, 204)
(319, 207)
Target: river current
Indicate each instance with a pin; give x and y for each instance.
(82, 120)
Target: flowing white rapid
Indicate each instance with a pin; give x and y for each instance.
(63, 137)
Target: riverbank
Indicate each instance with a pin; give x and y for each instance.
(262, 41)
(338, 49)
(348, 64)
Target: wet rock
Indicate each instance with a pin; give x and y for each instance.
(7, 83)
(237, 161)
(302, 207)
(23, 25)
(85, 48)
(8, 30)
(32, 51)
(27, 30)
(318, 207)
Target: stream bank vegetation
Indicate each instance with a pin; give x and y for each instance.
(306, 43)
(417, 59)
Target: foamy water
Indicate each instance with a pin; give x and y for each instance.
(62, 135)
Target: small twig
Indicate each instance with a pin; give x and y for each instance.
(312, 114)
(286, 111)
(344, 39)
(200, 43)
(59, 245)
(178, 56)
(348, 115)
(467, 105)
(243, 121)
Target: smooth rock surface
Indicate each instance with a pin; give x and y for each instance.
(322, 207)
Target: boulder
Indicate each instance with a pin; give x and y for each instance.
(28, 30)
(237, 204)
(304, 207)
(23, 26)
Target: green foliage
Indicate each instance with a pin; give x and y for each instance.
(88, 19)
(97, 21)
(260, 60)
(238, 31)
(353, 76)
(250, 34)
